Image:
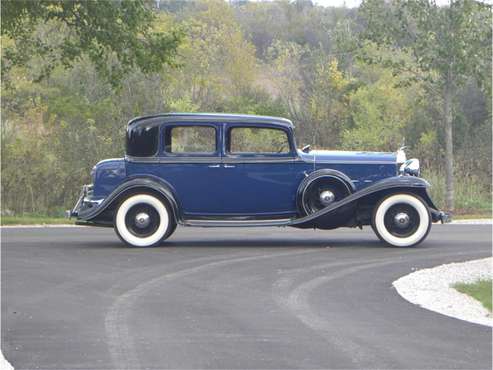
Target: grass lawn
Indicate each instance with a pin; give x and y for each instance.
(480, 290)
(34, 220)
(472, 216)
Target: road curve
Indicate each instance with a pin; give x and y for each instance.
(75, 298)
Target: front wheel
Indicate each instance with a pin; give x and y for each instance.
(142, 220)
(401, 220)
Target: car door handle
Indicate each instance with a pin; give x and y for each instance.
(229, 166)
(214, 166)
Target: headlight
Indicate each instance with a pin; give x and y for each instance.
(410, 167)
(401, 155)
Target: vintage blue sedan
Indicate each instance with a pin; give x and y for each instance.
(229, 170)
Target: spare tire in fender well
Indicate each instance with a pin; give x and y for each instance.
(328, 173)
(344, 213)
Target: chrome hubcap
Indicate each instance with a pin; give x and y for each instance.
(401, 220)
(327, 197)
(142, 220)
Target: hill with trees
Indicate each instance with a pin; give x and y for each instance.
(386, 74)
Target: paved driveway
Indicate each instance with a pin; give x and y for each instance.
(75, 298)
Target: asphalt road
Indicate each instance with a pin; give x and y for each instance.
(75, 298)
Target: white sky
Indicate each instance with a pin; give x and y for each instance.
(347, 3)
(355, 3)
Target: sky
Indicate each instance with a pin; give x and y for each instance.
(356, 3)
(347, 3)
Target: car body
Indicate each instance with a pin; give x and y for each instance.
(220, 170)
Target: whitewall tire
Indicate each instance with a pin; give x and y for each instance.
(401, 220)
(142, 220)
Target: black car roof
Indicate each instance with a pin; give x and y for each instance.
(220, 117)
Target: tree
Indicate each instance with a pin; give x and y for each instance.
(328, 103)
(218, 63)
(289, 59)
(380, 111)
(452, 43)
(285, 60)
(116, 35)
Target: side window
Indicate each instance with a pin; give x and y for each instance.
(190, 139)
(251, 140)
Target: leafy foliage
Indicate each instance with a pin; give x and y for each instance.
(364, 79)
(451, 43)
(380, 111)
(116, 36)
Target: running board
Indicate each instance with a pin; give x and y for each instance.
(236, 223)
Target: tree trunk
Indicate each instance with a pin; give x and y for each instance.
(449, 148)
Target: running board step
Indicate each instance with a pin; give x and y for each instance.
(236, 223)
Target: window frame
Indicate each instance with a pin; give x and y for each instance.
(259, 155)
(166, 134)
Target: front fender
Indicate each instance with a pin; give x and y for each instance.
(146, 182)
(398, 183)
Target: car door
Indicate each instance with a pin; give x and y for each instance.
(258, 171)
(191, 163)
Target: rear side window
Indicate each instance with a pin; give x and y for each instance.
(190, 139)
(248, 140)
(142, 140)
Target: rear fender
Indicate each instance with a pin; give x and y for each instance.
(134, 184)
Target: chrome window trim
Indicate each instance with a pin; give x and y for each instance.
(230, 128)
(217, 159)
(171, 125)
(349, 162)
(209, 160)
(257, 157)
(260, 160)
(178, 159)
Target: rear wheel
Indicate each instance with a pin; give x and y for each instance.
(401, 220)
(142, 220)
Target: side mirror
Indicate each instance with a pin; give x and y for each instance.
(306, 148)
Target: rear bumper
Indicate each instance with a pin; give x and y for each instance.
(85, 202)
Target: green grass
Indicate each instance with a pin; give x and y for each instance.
(472, 216)
(471, 197)
(34, 220)
(479, 290)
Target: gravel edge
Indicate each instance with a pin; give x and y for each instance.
(431, 289)
(479, 221)
(4, 364)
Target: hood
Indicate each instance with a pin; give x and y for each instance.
(334, 156)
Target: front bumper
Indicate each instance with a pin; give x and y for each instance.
(440, 216)
(85, 202)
